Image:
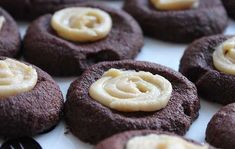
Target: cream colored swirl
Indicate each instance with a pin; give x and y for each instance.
(82, 24)
(131, 91)
(154, 141)
(2, 21)
(16, 77)
(175, 4)
(224, 57)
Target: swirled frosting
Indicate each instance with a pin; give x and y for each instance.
(2, 21)
(175, 4)
(82, 24)
(131, 91)
(154, 141)
(224, 57)
(16, 77)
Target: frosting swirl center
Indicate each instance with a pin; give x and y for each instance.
(175, 4)
(154, 141)
(82, 24)
(224, 57)
(16, 77)
(2, 21)
(131, 91)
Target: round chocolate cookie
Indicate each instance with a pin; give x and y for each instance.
(208, 18)
(230, 7)
(220, 130)
(28, 9)
(44, 48)
(10, 42)
(92, 122)
(197, 65)
(31, 112)
(119, 141)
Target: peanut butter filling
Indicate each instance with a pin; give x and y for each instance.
(82, 24)
(131, 91)
(16, 77)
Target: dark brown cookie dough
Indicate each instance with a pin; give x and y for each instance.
(31, 112)
(230, 7)
(119, 141)
(57, 56)
(10, 42)
(92, 122)
(220, 130)
(31, 9)
(197, 65)
(179, 26)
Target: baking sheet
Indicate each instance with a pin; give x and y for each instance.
(164, 53)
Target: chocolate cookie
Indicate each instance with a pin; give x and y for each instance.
(119, 141)
(208, 18)
(44, 48)
(230, 7)
(92, 122)
(197, 65)
(10, 41)
(28, 9)
(220, 130)
(33, 111)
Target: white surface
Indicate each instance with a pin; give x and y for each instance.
(155, 51)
